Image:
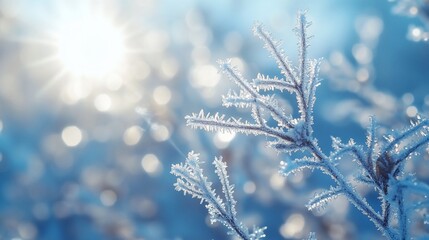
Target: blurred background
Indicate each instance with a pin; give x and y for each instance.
(93, 96)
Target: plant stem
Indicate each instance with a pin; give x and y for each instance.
(351, 194)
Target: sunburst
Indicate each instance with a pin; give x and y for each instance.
(88, 48)
(91, 47)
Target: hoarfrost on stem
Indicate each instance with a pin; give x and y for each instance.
(191, 180)
(380, 162)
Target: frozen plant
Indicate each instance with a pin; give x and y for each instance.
(380, 161)
(191, 180)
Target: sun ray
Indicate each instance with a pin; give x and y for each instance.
(43, 61)
(45, 88)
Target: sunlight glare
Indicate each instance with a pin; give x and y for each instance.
(91, 47)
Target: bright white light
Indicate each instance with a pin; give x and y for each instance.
(249, 187)
(416, 32)
(162, 95)
(412, 111)
(71, 136)
(293, 226)
(160, 132)
(151, 164)
(132, 135)
(103, 102)
(91, 47)
(277, 181)
(222, 139)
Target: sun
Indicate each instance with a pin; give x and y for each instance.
(90, 47)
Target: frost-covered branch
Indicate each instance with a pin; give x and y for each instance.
(191, 180)
(380, 162)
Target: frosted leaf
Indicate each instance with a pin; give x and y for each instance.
(299, 133)
(321, 199)
(301, 31)
(361, 177)
(239, 100)
(191, 180)
(227, 188)
(293, 166)
(266, 83)
(336, 143)
(274, 47)
(258, 233)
